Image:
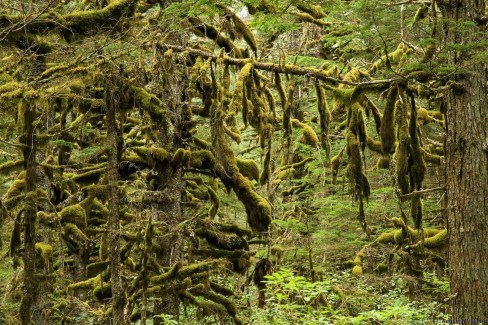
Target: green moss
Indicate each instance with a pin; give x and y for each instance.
(202, 159)
(91, 176)
(222, 240)
(47, 219)
(438, 240)
(94, 269)
(357, 270)
(88, 284)
(71, 230)
(152, 155)
(387, 129)
(248, 168)
(258, 209)
(15, 188)
(11, 166)
(309, 136)
(103, 292)
(181, 158)
(44, 250)
(74, 214)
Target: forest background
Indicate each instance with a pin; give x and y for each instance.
(243, 162)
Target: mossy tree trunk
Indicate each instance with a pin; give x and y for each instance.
(467, 164)
(171, 135)
(30, 289)
(114, 98)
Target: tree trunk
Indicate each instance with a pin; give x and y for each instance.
(467, 165)
(114, 94)
(29, 296)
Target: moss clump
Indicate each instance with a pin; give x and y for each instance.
(94, 269)
(71, 230)
(248, 168)
(395, 57)
(74, 214)
(44, 250)
(335, 163)
(325, 118)
(357, 270)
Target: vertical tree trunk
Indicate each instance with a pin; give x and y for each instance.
(113, 98)
(29, 296)
(467, 165)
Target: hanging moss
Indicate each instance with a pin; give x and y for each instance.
(103, 292)
(418, 168)
(416, 210)
(242, 28)
(325, 119)
(214, 198)
(335, 163)
(263, 267)
(387, 129)
(74, 214)
(181, 158)
(264, 178)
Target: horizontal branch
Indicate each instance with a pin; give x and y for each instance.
(442, 188)
(273, 67)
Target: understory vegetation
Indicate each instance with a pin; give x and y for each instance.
(215, 162)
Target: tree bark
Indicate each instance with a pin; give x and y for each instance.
(467, 165)
(114, 94)
(29, 296)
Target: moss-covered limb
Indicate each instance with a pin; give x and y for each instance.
(91, 176)
(225, 227)
(374, 145)
(212, 33)
(179, 271)
(11, 166)
(203, 159)
(438, 240)
(223, 253)
(294, 189)
(264, 177)
(395, 57)
(94, 269)
(15, 189)
(88, 284)
(297, 165)
(214, 198)
(72, 231)
(335, 164)
(432, 158)
(289, 69)
(248, 168)
(229, 305)
(242, 29)
(153, 156)
(306, 17)
(309, 136)
(149, 103)
(222, 240)
(77, 22)
(258, 209)
(313, 10)
(387, 129)
(181, 158)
